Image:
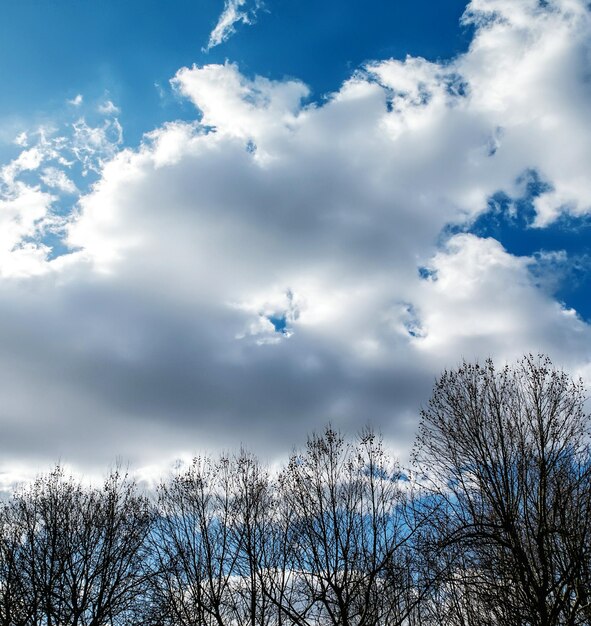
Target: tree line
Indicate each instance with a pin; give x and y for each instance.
(490, 527)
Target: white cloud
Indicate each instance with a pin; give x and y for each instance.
(251, 275)
(77, 100)
(108, 108)
(27, 160)
(36, 182)
(21, 139)
(93, 145)
(258, 109)
(58, 179)
(234, 12)
(528, 70)
(21, 217)
(483, 300)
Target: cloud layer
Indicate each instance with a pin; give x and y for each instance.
(278, 263)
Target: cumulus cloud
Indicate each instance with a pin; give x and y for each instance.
(234, 12)
(279, 263)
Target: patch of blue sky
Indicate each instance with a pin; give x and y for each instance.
(427, 273)
(279, 324)
(561, 251)
(52, 51)
(412, 321)
(322, 43)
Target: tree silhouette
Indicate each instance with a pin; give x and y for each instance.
(508, 455)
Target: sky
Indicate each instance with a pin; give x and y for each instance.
(229, 222)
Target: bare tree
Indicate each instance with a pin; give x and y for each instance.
(349, 535)
(500, 534)
(208, 543)
(16, 599)
(508, 453)
(73, 555)
(252, 527)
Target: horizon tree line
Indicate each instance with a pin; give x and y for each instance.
(490, 527)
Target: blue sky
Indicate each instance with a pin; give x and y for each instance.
(229, 223)
(53, 50)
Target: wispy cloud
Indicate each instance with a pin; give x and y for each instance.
(108, 108)
(38, 188)
(235, 12)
